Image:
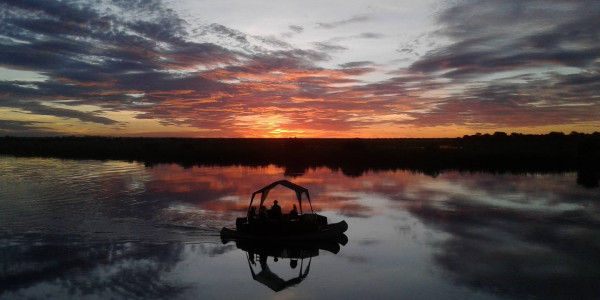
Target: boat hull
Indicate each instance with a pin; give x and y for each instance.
(330, 232)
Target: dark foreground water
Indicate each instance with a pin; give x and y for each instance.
(118, 230)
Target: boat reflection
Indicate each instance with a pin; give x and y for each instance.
(299, 256)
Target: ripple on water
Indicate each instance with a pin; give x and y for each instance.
(90, 200)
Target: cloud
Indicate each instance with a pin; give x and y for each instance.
(493, 36)
(407, 51)
(508, 63)
(364, 35)
(329, 47)
(273, 41)
(519, 101)
(512, 64)
(354, 19)
(356, 64)
(293, 31)
(37, 108)
(226, 31)
(19, 126)
(89, 48)
(91, 56)
(296, 28)
(370, 35)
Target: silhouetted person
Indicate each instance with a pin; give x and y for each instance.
(293, 263)
(262, 214)
(276, 210)
(294, 212)
(252, 214)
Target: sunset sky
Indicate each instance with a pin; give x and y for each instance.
(396, 68)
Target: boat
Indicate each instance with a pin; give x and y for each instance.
(271, 225)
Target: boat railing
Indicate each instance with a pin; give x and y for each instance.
(304, 218)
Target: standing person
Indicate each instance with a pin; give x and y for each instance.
(276, 210)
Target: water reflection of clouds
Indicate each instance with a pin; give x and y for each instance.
(123, 270)
(519, 192)
(202, 186)
(517, 236)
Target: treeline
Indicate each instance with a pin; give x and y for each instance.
(498, 152)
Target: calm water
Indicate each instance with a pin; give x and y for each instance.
(118, 230)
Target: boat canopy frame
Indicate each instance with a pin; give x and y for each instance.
(272, 280)
(296, 188)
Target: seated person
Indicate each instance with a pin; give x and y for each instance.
(252, 214)
(262, 214)
(294, 212)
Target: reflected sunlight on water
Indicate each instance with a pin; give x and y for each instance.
(108, 229)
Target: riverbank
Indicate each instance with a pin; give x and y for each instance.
(553, 152)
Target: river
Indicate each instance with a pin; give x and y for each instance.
(88, 229)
